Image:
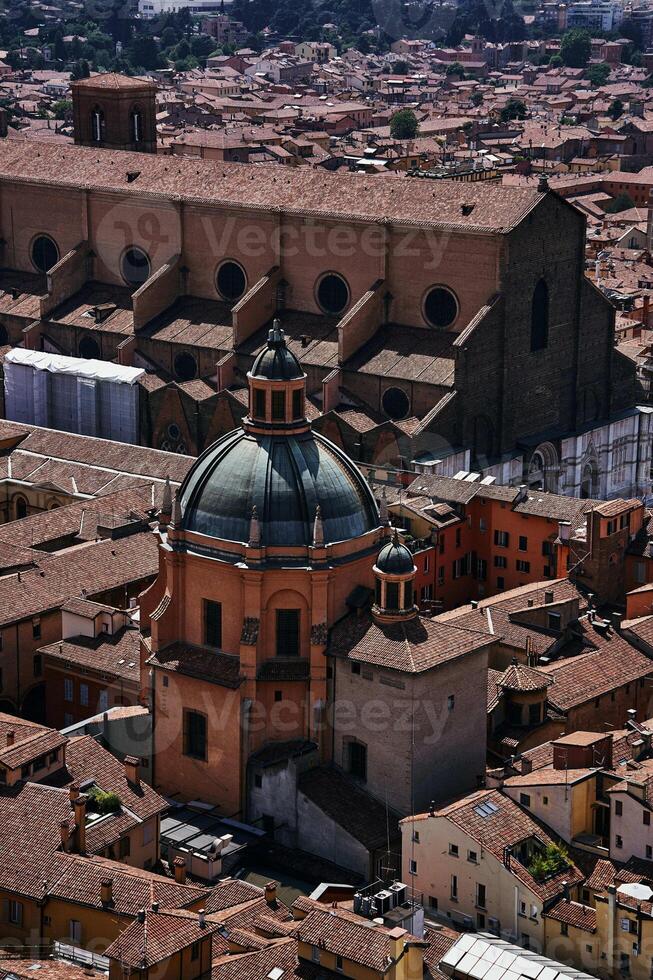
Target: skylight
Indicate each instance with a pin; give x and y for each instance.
(486, 809)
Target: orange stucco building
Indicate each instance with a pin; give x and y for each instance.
(271, 532)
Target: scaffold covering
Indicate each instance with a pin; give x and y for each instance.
(94, 398)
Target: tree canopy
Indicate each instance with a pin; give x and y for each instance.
(513, 109)
(404, 125)
(575, 48)
(598, 74)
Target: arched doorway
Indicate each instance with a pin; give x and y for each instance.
(589, 482)
(544, 468)
(33, 707)
(20, 507)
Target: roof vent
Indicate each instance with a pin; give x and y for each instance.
(132, 175)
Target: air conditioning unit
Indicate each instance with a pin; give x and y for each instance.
(399, 893)
(383, 901)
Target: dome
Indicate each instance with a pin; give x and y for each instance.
(276, 362)
(286, 477)
(395, 558)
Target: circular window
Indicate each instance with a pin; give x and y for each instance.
(173, 431)
(89, 348)
(395, 403)
(440, 307)
(231, 281)
(45, 253)
(135, 266)
(185, 366)
(332, 293)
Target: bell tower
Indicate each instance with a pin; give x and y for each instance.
(115, 112)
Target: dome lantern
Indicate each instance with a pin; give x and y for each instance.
(395, 575)
(274, 486)
(277, 387)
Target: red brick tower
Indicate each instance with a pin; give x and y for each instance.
(116, 112)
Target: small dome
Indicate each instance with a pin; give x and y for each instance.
(395, 558)
(286, 478)
(276, 362)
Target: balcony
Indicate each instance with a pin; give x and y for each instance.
(592, 843)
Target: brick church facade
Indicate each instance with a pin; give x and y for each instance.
(442, 327)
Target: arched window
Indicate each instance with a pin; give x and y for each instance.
(540, 317)
(98, 128)
(136, 125)
(45, 253)
(440, 307)
(231, 281)
(89, 348)
(135, 266)
(185, 366)
(21, 508)
(332, 294)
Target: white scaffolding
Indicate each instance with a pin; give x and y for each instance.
(94, 398)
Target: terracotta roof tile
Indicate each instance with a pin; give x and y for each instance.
(113, 655)
(328, 929)
(97, 567)
(415, 645)
(573, 914)
(161, 935)
(355, 811)
(304, 189)
(505, 825)
(209, 665)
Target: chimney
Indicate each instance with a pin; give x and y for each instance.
(79, 806)
(526, 766)
(632, 715)
(271, 892)
(155, 906)
(106, 891)
(179, 864)
(11, 737)
(73, 791)
(616, 621)
(141, 916)
(548, 597)
(202, 919)
(474, 603)
(64, 828)
(132, 764)
(565, 890)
